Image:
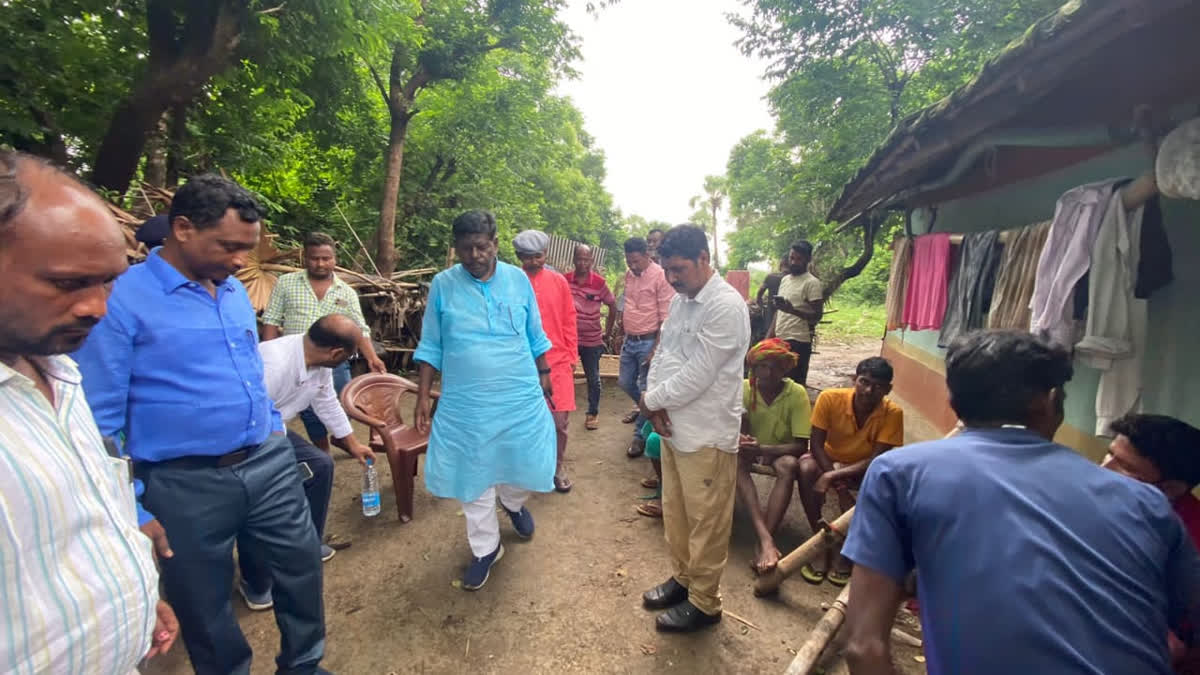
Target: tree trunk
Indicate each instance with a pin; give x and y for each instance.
(385, 236)
(716, 256)
(156, 154)
(176, 138)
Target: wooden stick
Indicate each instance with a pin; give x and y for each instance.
(904, 638)
(820, 636)
(360, 242)
(735, 617)
(803, 554)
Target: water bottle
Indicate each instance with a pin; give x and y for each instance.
(370, 491)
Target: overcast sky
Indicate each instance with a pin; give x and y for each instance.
(666, 94)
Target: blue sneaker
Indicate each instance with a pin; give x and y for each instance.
(255, 601)
(480, 569)
(522, 522)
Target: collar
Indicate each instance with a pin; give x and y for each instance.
(58, 367)
(710, 289)
(877, 411)
(172, 279)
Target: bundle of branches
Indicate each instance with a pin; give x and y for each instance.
(393, 308)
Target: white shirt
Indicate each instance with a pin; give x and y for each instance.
(696, 374)
(294, 387)
(76, 574)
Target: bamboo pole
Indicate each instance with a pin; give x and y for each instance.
(356, 238)
(805, 553)
(820, 636)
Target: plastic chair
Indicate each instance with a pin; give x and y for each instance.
(374, 399)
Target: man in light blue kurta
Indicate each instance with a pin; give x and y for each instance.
(493, 434)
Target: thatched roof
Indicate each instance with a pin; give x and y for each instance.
(1089, 63)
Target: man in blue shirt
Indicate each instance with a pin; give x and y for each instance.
(174, 368)
(1032, 559)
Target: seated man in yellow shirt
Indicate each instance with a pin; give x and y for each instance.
(850, 427)
(775, 432)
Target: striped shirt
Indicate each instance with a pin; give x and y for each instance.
(78, 584)
(294, 306)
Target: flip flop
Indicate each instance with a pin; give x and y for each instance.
(838, 579)
(592, 423)
(811, 575)
(563, 484)
(657, 494)
(650, 510)
(650, 483)
(630, 417)
(634, 452)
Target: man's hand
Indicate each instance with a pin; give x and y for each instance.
(158, 536)
(423, 413)
(547, 387)
(822, 485)
(784, 304)
(376, 364)
(659, 419)
(166, 629)
(748, 443)
(359, 451)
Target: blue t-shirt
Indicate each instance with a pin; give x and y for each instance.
(1031, 559)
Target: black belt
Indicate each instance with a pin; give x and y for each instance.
(200, 461)
(641, 338)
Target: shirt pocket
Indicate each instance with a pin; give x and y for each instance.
(508, 318)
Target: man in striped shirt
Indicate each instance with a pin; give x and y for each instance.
(77, 577)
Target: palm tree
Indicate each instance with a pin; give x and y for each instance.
(715, 190)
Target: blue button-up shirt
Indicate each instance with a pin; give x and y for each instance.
(175, 370)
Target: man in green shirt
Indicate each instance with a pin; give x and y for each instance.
(300, 298)
(775, 432)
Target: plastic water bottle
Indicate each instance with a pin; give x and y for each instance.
(370, 491)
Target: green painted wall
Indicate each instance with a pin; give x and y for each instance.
(1172, 368)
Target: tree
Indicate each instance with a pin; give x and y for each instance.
(451, 38)
(715, 191)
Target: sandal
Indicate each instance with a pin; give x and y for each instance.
(650, 483)
(839, 579)
(636, 450)
(811, 575)
(650, 510)
(563, 484)
(630, 417)
(592, 423)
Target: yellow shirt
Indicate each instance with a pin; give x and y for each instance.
(845, 441)
(784, 420)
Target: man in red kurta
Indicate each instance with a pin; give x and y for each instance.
(557, 308)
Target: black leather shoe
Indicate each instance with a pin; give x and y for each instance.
(685, 618)
(667, 594)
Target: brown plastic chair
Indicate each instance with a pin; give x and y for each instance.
(374, 399)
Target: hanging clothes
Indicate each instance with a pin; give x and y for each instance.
(1015, 278)
(970, 293)
(1155, 268)
(925, 298)
(1065, 258)
(898, 282)
(1115, 338)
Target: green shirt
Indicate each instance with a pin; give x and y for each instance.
(784, 420)
(294, 307)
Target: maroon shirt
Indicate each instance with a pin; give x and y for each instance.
(589, 297)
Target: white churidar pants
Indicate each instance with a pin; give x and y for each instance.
(483, 523)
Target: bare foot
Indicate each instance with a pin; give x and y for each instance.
(768, 557)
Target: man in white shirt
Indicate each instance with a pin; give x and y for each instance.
(298, 371)
(694, 400)
(78, 577)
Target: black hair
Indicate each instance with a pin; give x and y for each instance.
(325, 337)
(803, 247)
(877, 368)
(204, 200)
(474, 222)
(319, 239)
(1172, 445)
(635, 245)
(653, 230)
(684, 241)
(993, 375)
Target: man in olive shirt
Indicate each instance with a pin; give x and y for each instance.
(799, 306)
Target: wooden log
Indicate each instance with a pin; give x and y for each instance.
(820, 636)
(805, 553)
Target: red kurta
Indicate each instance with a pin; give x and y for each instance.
(557, 308)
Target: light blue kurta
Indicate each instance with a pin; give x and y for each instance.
(492, 425)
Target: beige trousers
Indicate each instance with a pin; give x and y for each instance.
(698, 492)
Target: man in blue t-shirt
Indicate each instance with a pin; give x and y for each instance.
(1032, 559)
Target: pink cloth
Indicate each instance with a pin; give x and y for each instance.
(647, 298)
(928, 278)
(590, 296)
(740, 280)
(557, 308)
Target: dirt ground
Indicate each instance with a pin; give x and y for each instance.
(569, 600)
